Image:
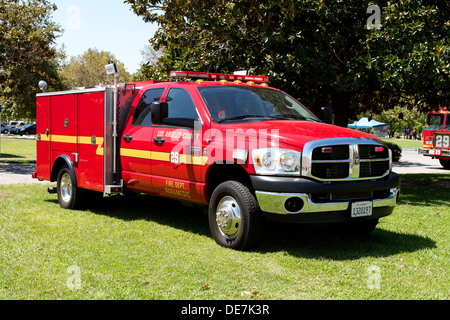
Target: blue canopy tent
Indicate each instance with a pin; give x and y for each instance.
(364, 123)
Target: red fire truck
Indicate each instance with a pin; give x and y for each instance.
(436, 136)
(248, 152)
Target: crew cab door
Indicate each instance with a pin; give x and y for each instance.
(136, 144)
(177, 162)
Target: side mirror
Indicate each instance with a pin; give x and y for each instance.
(180, 122)
(160, 110)
(326, 115)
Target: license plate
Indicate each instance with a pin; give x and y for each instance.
(362, 209)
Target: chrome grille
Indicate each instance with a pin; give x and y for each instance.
(343, 159)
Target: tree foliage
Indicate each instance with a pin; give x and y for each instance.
(320, 51)
(27, 54)
(411, 117)
(88, 69)
(150, 62)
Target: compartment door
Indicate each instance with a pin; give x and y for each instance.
(91, 130)
(43, 167)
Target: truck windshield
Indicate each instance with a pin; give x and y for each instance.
(435, 121)
(233, 103)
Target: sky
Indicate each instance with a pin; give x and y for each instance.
(107, 25)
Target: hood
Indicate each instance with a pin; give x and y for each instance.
(293, 133)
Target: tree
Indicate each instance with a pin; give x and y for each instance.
(27, 54)
(150, 62)
(411, 119)
(151, 56)
(410, 53)
(88, 69)
(323, 52)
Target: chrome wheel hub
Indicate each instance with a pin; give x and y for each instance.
(228, 217)
(66, 187)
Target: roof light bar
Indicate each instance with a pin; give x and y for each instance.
(218, 76)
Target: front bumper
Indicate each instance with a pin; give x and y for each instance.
(323, 202)
(434, 152)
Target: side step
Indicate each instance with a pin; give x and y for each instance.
(114, 189)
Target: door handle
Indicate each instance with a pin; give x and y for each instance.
(159, 140)
(128, 138)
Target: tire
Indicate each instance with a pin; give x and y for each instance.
(445, 163)
(69, 195)
(356, 228)
(235, 219)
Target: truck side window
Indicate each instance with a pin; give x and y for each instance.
(180, 104)
(142, 116)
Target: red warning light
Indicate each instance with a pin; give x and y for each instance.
(218, 76)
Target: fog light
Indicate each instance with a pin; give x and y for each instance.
(293, 205)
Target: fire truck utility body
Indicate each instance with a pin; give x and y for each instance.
(436, 137)
(249, 152)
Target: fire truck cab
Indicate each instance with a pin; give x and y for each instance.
(436, 137)
(248, 152)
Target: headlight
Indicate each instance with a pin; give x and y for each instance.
(275, 161)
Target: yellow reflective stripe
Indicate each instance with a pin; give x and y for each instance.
(162, 156)
(43, 137)
(75, 139)
(99, 142)
(196, 160)
(85, 140)
(145, 154)
(133, 153)
(64, 139)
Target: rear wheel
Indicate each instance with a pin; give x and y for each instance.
(69, 195)
(235, 218)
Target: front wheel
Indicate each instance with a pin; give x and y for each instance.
(445, 163)
(235, 218)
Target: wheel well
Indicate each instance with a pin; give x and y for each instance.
(219, 173)
(60, 162)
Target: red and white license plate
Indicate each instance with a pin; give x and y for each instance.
(362, 209)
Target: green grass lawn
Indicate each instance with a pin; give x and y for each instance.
(14, 150)
(406, 143)
(152, 248)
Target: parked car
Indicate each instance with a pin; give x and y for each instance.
(5, 129)
(16, 124)
(14, 130)
(27, 129)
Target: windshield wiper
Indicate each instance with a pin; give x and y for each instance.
(295, 116)
(289, 116)
(243, 117)
(278, 117)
